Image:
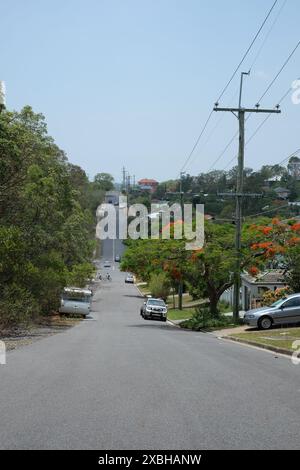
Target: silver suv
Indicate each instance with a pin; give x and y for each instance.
(285, 311)
(154, 309)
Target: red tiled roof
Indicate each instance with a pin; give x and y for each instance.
(147, 181)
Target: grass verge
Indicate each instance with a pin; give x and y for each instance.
(22, 335)
(282, 338)
(176, 314)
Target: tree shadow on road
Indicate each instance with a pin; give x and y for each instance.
(158, 325)
(134, 296)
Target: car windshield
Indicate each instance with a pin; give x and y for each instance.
(76, 298)
(156, 302)
(277, 303)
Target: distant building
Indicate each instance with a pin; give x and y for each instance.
(148, 185)
(294, 203)
(254, 288)
(294, 169)
(271, 181)
(282, 193)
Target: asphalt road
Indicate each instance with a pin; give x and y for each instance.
(117, 381)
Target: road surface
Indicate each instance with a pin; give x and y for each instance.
(116, 381)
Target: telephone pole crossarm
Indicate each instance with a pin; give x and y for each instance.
(248, 110)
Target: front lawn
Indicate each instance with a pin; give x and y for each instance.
(282, 338)
(176, 314)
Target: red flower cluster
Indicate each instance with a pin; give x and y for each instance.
(295, 227)
(253, 271)
(266, 230)
(294, 241)
(261, 246)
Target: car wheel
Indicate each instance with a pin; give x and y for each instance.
(265, 323)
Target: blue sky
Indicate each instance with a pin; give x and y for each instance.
(131, 82)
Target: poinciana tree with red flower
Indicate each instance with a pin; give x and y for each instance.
(273, 240)
(208, 271)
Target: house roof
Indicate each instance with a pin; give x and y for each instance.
(281, 190)
(147, 181)
(274, 179)
(273, 276)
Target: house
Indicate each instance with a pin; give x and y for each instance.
(294, 169)
(271, 181)
(148, 185)
(253, 288)
(209, 217)
(282, 193)
(295, 203)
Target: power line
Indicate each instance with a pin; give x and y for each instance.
(263, 95)
(247, 51)
(227, 85)
(215, 127)
(251, 67)
(268, 211)
(259, 127)
(268, 34)
(281, 69)
(197, 141)
(223, 152)
(290, 156)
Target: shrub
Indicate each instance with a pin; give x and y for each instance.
(203, 319)
(17, 306)
(271, 296)
(80, 274)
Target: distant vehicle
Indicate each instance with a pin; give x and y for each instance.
(75, 300)
(117, 258)
(129, 279)
(154, 309)
(285, 311)
(106, 264)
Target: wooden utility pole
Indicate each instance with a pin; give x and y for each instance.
(240, 113)
(2, 96)
(124, 178)
(181, 195)
(180, 287)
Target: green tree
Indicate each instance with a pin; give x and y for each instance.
(47, 223)
(104, 181)
(292, 276)
(160, 285)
